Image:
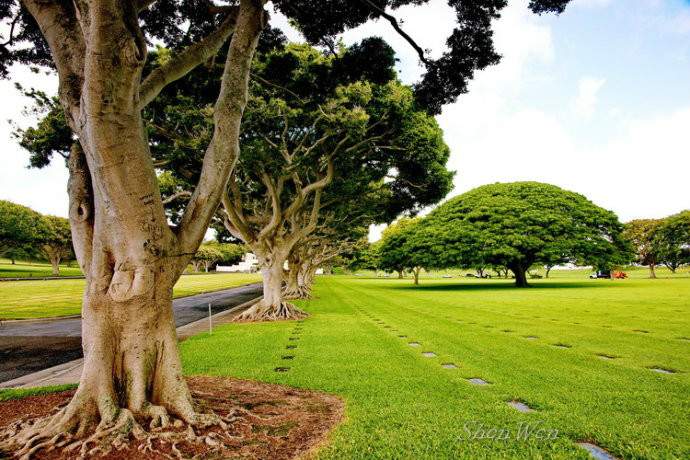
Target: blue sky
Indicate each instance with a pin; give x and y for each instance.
(596, 100)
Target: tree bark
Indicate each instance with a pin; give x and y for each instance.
(400, 274)
(272, 307)
(548, 270)
(520, 275)
(651, 271)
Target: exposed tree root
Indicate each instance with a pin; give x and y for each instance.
(296, 293)
(254, 421)
(266, 312)
(79, 431)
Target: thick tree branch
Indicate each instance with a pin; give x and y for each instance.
(60, 27)
(223, 150)
(177, 195)
(186, 61)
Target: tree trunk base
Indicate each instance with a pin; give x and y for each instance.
(297, 293)
(262, 311)
(87, 431)
(290, 430)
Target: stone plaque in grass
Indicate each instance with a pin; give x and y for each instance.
(596, 452)
(429, 354)
(561, 345)
(415, 344)
(531, 337)
(449, 366)
(294, 338)
(478, 381)
(661, 370)
(402, 336)
(603, 356)
(289, 357)
(522, 407)
(290, 347)
(282, 369)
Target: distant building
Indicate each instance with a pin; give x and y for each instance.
(248, 264)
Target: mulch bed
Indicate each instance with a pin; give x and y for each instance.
(272, 421)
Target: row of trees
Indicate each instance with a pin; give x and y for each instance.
(319, 138)
(213, 252)
(25, 232)
(661, 241)
(509, 226)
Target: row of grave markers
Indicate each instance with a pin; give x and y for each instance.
(294, 337)
(594, 450)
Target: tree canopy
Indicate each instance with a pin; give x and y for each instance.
(20, 226)
(57, 242)
(673, 240)
(643, 235)
(404, 247)
(521, 223)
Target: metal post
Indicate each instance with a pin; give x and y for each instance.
(210, 321)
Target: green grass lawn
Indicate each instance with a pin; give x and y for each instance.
(33, 299)
(402, 405)
(24, 269)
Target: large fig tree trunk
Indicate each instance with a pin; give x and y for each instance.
(272, 307)
(296, 285)
(129, 255)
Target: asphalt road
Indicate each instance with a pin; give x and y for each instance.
(31, 347)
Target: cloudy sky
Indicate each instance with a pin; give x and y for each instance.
(596, 100)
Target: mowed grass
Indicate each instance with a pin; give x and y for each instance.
(23, 269)
(402, 405)
(34, 299)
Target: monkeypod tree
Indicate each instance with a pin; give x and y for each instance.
(642, 234)
(522, 223)
(394, 262)
(407, 248)
(20, 226)
(673, 240)
(367, 256)
(57, 243)
(129, 254)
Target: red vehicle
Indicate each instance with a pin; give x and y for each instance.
(620, 275)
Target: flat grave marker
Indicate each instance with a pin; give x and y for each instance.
(522, 407)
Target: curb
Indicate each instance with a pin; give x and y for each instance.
(38, 320)
(183, 333)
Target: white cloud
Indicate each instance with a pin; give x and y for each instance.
(587, 97)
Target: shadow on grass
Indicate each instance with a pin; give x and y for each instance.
(494, 285)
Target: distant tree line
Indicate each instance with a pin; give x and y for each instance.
(27, 234)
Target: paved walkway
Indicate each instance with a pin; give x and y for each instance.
(26, 348)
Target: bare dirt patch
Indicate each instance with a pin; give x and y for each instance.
(266, 421)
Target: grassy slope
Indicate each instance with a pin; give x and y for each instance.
(32, 299)
(402, 405)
